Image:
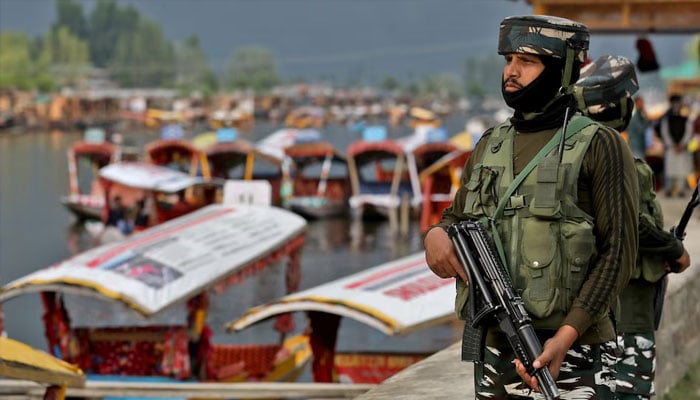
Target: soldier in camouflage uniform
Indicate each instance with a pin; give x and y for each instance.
(605, 94)
(567, 230)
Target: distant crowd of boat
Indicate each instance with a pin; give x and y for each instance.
(294, 167)
(196, 216)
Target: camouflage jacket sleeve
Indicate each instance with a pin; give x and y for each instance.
(609, 179)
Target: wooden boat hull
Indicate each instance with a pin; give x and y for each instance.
(84, 206)
(372, 367)
(318, 207)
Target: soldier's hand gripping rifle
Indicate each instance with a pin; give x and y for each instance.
(679, 232)
(492, 295)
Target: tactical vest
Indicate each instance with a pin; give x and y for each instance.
(648, 267)
(547, 240)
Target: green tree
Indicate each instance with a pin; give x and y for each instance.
(107, 23)
(390, 84)
(70, 15)
(443, 85)
(251, 68)
(16, 62)
(67, 55)
(193, 72)
(144, 58)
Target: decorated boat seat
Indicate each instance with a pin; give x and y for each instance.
(135, 351)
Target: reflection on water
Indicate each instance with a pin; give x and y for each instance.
(36, 231)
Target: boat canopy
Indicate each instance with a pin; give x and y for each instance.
(275, 143)
(397, 297)
(101, 150)
(362, 149)
(319, 149)
(162, 148)
(212, 247)
(141, 175)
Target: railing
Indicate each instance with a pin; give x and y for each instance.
(23, 390)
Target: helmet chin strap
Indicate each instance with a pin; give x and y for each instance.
(566, 83)
(566, 88)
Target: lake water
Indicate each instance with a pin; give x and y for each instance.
(36, 231)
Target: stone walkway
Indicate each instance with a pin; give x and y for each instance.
(443, 376)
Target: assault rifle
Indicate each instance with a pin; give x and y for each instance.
(492, 295)
(679, 232)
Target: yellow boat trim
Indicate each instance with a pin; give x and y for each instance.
(21, 361)
(84, 285)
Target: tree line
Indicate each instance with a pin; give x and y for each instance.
(131, 50)
(129, 47)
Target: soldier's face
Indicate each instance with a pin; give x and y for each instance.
(520, 70)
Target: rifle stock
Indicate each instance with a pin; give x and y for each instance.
(492, 295)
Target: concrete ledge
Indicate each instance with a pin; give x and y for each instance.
(444, 376)
(677, 340)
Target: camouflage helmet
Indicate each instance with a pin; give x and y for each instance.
(605, 81)
(605, 88)
(544, 35)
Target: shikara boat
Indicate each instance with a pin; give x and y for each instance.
(440, 182)
(239, 119)
(175, 154)
(229, 156)
(440, 178)
(274, 146)
(315, 181)
(85, 158)
(381, 176)
(172, 151)
(138, 195)
(306, 117)
(320, 183)
(401, 297)
(21, 361)
(139, 307)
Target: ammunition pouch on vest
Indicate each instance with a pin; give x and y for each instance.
(547, 239)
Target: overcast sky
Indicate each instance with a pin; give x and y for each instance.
(372, 38)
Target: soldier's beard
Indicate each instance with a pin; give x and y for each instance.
(533, 97)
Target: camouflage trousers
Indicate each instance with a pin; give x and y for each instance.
(588, 372)
(636, 366)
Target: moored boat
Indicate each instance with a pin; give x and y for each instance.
(139, 307)
(319, 179)
(273, 146)
(381, 176)
(306, 117)
(231, 157)
(85, 198)
(138, 195)
(440, 182)
(401, 297)
(175, 154)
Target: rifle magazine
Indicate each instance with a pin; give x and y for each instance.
(473, 343)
